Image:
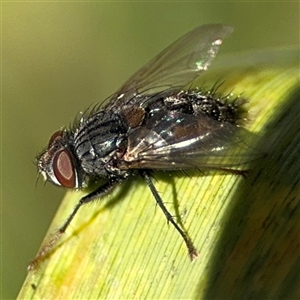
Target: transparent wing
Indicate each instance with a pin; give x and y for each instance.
(181, 141)
(178, 64)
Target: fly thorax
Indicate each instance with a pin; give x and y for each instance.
(97, 140)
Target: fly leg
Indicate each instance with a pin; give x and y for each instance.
(193, 253)
(98, 193)
(243, 173)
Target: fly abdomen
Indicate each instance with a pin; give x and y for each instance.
(196, 102)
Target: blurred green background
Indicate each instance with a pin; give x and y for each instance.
(58, 58)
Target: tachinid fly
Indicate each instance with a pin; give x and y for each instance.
(152, 123)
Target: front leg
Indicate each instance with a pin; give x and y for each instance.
(98, 193)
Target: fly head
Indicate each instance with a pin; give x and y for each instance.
(57, 163)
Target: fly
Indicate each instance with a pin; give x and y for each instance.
(152, 123)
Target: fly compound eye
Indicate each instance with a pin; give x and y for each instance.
(57, 134)
(63, 169)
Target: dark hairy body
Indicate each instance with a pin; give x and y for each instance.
(152, 123)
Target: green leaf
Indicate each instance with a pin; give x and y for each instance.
(246, 231)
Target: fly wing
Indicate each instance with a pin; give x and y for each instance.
(175, 140)
(177, 65)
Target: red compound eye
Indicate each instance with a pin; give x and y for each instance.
(54, 136)
(63, 169)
